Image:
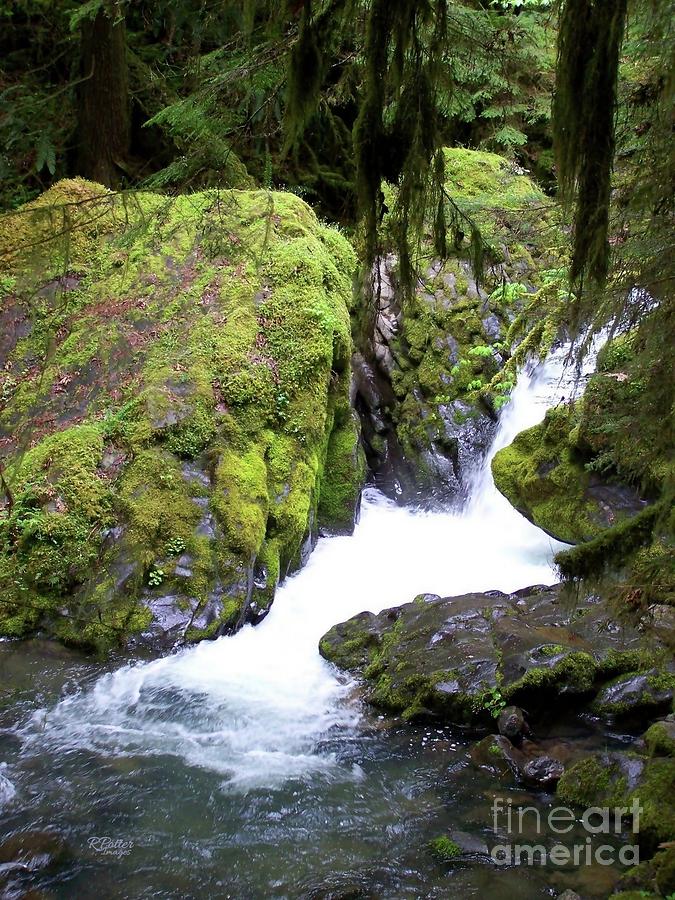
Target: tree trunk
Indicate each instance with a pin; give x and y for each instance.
(103, 100)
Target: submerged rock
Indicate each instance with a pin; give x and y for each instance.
(462, 659)
(530, 765)
(183, 395)
(512, 724)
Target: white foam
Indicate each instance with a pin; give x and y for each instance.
(257, 707)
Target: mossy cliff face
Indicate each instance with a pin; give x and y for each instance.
(174, 408)
(462, 659)
(431, 380)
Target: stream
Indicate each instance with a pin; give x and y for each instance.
(246, 767)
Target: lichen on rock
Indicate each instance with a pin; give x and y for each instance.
(174, 415)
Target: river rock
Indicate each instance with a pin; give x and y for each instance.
(636, 696)
(531, 766)
(543, 771)
(191, 425)
(32, 851)
(659, 739)
(497, 755)
(512, 724)
(459, 658)
(618, 779)
(544, 476)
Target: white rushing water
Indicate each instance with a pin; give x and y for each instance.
(257, 706)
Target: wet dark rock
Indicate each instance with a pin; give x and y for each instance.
(543, 771)
(32, 851)
(497, 755)
(460, 657)
(530, 765)
(171, 615)
(636, 696)
(469, 844)
(512, 724)
(340, 887)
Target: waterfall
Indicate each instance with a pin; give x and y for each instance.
(261, 707)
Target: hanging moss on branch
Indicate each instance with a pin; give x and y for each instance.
(399, 130)
(584, 107)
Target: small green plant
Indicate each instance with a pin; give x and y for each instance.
(552, 650)
(491, 701)
(282, 406)
(482, 351)
(175, 546)
(508, 293)
(475, 385)
(155, 577)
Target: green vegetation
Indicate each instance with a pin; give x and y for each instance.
(212, 328)
(445, 848)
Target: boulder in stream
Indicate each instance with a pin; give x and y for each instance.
(463, 659)
(175, 421)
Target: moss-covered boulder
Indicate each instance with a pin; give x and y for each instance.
(660, 737)
(175, 422)
(544, 474)
(462, 659)
(620, 780)
(653, 878)
(431, 380)
(636, 696)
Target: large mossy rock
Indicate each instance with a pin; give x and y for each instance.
(462, 659)
(544, 474)
(174, 408)
(618, 780)
(429, 388)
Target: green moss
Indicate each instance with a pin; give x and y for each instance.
(541, 474)
(657, 873)
(344, 474)
(660, 739)
(445, 848)
(240, 499)
(213, 328)
(619, 662)
(156, 502)
(592, 782)
(574, 672)
(655, 793)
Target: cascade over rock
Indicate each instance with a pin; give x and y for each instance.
(428, 384)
